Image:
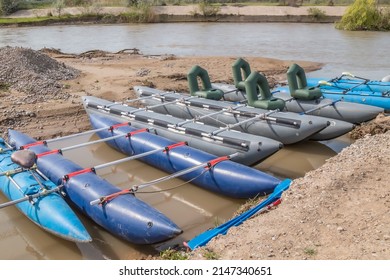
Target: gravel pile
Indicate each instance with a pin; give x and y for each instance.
(34, 73)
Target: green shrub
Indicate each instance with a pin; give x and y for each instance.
(207, 9)
(59, 6)
(25, 5)
(132, 3)
(209, 255)
(316, 13)
(310, 251)
(145, 12)
(171, 254)
(8, 6)
(4, 86)
(385, 19)
(363, 15)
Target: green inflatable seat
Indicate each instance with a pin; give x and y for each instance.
(207, 91)
(297, 84)
(241, 71)
(257, 83)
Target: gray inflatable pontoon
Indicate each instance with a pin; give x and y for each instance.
(322, 107)
(251, 148)
(285, 127)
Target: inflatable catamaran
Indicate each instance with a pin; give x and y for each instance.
(251, 149)
(298, 96)
(286, 127)
(38, 198)
(125, 216)
(355, 89)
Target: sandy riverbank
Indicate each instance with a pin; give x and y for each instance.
(229, 13)
(339, 211)
(193, 9)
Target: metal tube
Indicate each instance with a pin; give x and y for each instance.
(104, 165)
(92, 142)
(76, 135)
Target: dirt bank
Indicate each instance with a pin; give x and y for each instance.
(339, 211)
(189, 10)
(190, 13)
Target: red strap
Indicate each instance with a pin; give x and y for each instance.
(136, 132)
(70, 175)
(275, 203)
(114, 195)
(118, 125)
(213, 162)
(49, 153)
(33, 144)
(170, 147)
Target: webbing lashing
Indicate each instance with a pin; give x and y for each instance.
(128, 135)
(58, 151)
(73, 174)
(111, 128)
(170, 147)
(107, 198)
(215, 161)
(37, 143)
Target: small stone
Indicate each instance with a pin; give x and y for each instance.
(340, 229)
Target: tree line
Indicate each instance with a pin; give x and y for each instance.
(361, 14)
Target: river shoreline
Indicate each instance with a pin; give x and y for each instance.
(188, 13)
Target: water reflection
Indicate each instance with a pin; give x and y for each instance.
(295, 160)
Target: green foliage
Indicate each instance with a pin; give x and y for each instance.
(145, 12)
(385, 19)
(8, 6)
(310, 251)
(59, 5)
(132, 2)
(4, 86)
(171, 254)
(207, 9)
(76, 3)
(210, 255)
(364, 15)
(316, 13)
(94, 9)
(140, 13)
(25, 5)
(33, 20)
